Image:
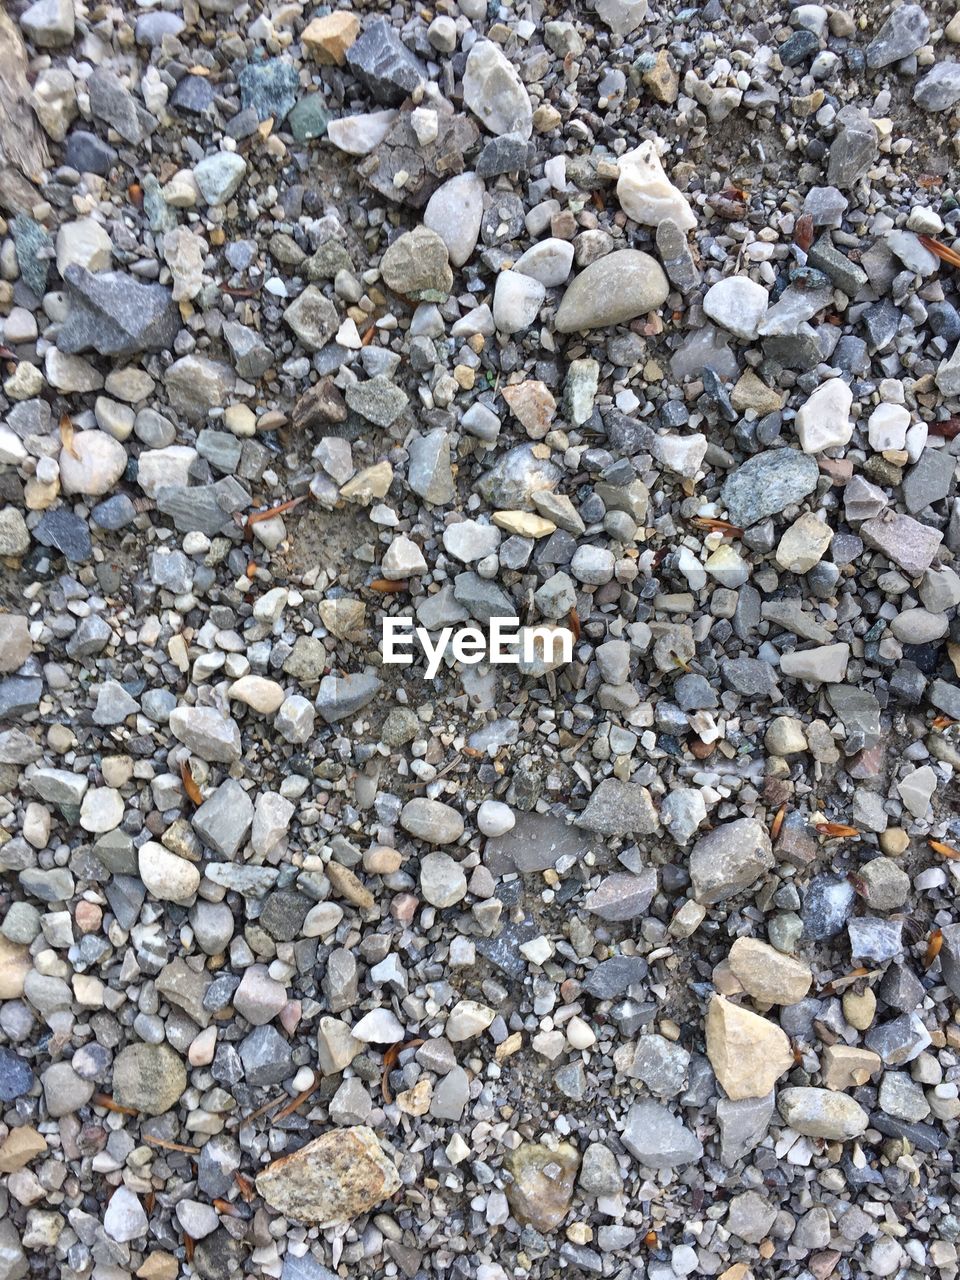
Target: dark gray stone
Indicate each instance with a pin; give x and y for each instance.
(384, 65)
(115, 315)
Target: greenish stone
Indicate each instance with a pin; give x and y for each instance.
(269, 88)
(309, 117)
(34, 250)
(329, 258)
(159, 214)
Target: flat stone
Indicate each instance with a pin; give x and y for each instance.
(657, 1138)
(542, 1183)
(612, 290)
(622, 896)
(384, 65)
(768, 975)
(493, 91)
(822, 1113)
(331, 1180)
(646, 194)
(729, 859)
(905, 541)
(224, 818)
(619, 808)
(206, 733)
(454, 212)
(432, 821)
(748, 1053)
(149, 1077)
(93, 465)
(767, 483)
(342, 696)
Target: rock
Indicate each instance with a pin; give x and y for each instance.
(743, 1126)
(359, 135)
(312, 317)
(166, 876)
(343, 696)
(854, 148)
(619, 808)
(380, 402)
(729, 859)
(442, 881)
(16, 1078)
(657, 1138)
(905, 541)
(93, 465)
(471, 540)
(124, 1219)
(149, 1077)
(327, 39)
(224, 818)
(403, 559)
(767, 975)
(822, 1113)
(517, 301)
(824, 665)
(804, 544)
(454, 212)
(737, 304)
(432, 821)
(612, 290)
(493, 91)
(766, 483)
(49, 23)
(64, 1091)
(748, 1053)
(542, 1183)
(83, 244)
(269, 88)
(15, 642)
(823, 422)
(646, 194)
(206, 733)
(113, 104)
(622, 896)
(384, 65)
(331, 1180)
(218, 177)
(902, 34)
(195, 385)
(548, 261)
(939, 89)
(416, 265)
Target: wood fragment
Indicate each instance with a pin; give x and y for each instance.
(189, 784)
(933, 947)
(714, 525)
(390, 1058)
(944, 850)
(778, 821)
(836, 831)
(104, 1100)
(950, 256)
(67, 434)
(574, 619)
(256, 517)
(389, 586)
(167, 1145)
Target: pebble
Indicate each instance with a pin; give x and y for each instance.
(331, 1180)
(612, 290)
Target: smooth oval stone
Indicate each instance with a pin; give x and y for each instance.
(612, 290)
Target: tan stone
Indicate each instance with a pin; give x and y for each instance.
(20, 1147)
(368, 484)
(159, 1266)
(331, 1180)
(327, 39)
(532, 404)
(753, 393)
(346, 885)
(524, 523)
(859, 1008)
(543, 1180)
(748, 1053)
(843, 1067)
(15, 964)
(416, 1101)
(767, 974)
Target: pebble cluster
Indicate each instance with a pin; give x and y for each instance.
(637, 321)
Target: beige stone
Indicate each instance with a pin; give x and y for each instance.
(15, 964)
(543, 1181)
(331, 1180)
(748, 1053)
(859, 1008)
(846, 1067)
(524, 523)
(767, 974)
(20, 1146)
(327, 39)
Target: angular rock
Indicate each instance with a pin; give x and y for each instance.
(331, 1180)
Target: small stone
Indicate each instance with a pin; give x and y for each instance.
(454, 213)
(493, 91)
(737, 304)
(646, 194)
(902, 34)
(328, 38)
(766, 974)
(619, 808)
(384, 65)
(148, 1077)
(939, 89)
(767, 483)
(804, 544)
(416, 265)
(218, 177)
(822, 1113)
(467, 1019)
(49, 23)
(442, 881)
(659, 1139)
(125, 1218)
(93, 465)
(729, 859)
(823, 422)
(854, 148)
(517, 301)
(432, 821)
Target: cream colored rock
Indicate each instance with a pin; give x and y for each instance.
(767, 974)
(645, 192)
(15, 964)
(92, 465)
(845, 1066)
(822, 1113)
(524, 523)
(167, 877)
(804, 544)
(258, 693)
(748, 1053)
(467, 1019)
